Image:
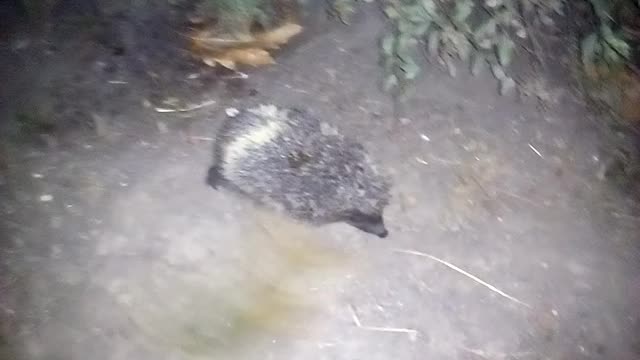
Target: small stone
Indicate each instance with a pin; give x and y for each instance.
(231, 112)
(37, 176)
(405, 121)
(46, 197)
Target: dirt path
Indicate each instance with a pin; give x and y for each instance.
(117, 250)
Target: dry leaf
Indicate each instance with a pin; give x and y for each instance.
(247, 50)
(206, 40)
(274, 38)
(247, 56)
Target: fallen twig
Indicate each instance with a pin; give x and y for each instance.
(236, 75)
(186, 109)
(486, 355)
(470, 276)
(202, 138)
(535, 150)
(412, 333)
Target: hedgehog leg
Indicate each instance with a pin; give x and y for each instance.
(214, 177)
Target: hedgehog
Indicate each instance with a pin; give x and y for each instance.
(290, 161)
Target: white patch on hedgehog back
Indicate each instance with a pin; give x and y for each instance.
(254, 139)
(267, 111)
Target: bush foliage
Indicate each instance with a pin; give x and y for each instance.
(485, 34)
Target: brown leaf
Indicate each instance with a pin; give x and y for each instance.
(246, 56)
(247, 50)
(205, 40)
(274, 38)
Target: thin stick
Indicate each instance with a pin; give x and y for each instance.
(519, 197)
(485, 355)
(535, 150)
(412, 333)
(202, 138)
(236, 75)
(470, 276)
(186, 109)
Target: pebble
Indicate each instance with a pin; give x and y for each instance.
(231, 112)
(46, 197)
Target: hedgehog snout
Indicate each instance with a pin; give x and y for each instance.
(377, 229)
(370, 224)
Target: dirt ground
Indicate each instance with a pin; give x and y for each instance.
(114, 248)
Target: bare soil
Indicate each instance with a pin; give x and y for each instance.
(113, 247)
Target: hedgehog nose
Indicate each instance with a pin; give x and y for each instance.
(383, 234)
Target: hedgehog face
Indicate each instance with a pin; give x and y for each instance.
(372, 224)
(368, 197)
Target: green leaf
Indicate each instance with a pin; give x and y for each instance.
(503, 16)
(464, 49)
(429, 6)
(405, 27)
(498, 71)
(504, 50)
(487, 28)
(620, 46)
(462, 11)
(387, 45)
(410, 69)
(414, 13)
(589, 48)
(607, 33)
(611, 56)
(389, 63)
(404, 46)
(390, 82)
(391, 12)
(506, 85)
(601, 9)
(486, 44)
(433, 43)
(422, 29)
(451, 67)
(477, 63)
